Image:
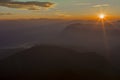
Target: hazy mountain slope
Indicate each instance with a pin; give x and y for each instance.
(4, 53)
(54, 62)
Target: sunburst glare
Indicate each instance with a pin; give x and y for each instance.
(102, 19)
(102, 16)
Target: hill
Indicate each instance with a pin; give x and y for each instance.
(54, 63)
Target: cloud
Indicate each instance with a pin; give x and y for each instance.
(31, 5)
(102, 5)
(5, 13)
(82, 4)
(79, 3)
(62, 14)
(5, 0)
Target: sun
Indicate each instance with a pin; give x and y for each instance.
(102, 16)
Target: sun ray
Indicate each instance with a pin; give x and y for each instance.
(102, 19)
(105, 33)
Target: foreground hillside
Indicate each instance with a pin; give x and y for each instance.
(55, 63)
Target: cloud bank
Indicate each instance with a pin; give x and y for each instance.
(82, 4)
(30, 5)
(5, 13)
(5, 0)
(102, 5)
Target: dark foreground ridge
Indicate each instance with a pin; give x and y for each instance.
(55, 63)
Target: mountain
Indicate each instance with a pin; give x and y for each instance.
(92, 36)
(4, 53)
(91, 29)
(54, 63)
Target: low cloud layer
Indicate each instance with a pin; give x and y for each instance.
(5, 0)
(5, 13)
(31, 5)
(102, 5)
(63, 15)
(82, 4)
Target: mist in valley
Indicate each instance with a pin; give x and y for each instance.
(60, 45)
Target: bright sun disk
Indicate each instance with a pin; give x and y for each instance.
(102, 16)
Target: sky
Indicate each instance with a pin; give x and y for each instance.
(68, 9)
